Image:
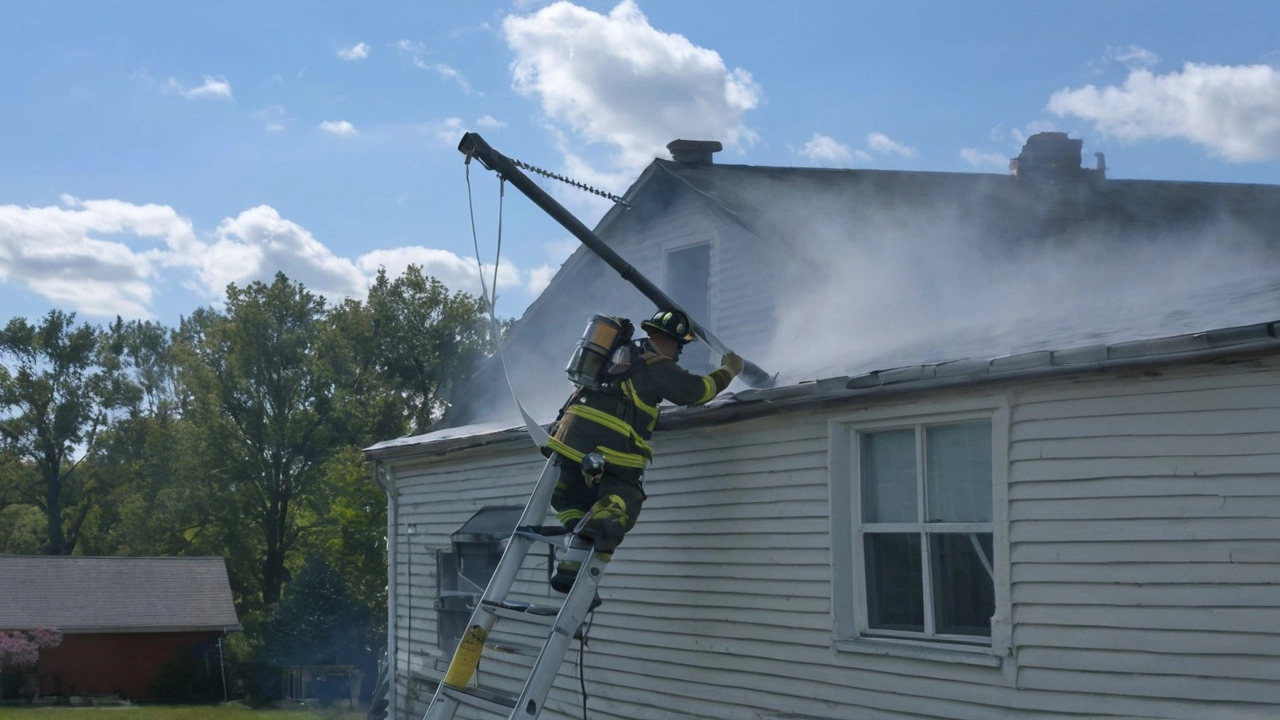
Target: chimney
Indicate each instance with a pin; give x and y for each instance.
(693, 152)
(1055, 158)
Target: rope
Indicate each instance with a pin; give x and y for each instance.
(531, 426)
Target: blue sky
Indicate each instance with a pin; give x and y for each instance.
(152, 153)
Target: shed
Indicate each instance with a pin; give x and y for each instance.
(122, 618)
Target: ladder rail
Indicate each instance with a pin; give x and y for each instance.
(443, 706)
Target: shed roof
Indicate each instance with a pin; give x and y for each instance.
(116, 594)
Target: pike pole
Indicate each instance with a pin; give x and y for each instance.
(474, 146)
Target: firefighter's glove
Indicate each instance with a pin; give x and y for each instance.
(732, 363)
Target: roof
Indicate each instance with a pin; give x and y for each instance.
(1235, 342)
(1060, 269)
(116, 594)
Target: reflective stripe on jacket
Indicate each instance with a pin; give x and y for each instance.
(619, 419)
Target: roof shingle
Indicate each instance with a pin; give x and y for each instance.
(115, 594)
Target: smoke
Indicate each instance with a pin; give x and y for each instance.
(921, 288)
(851, 273)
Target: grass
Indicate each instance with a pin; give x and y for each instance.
(230, 711)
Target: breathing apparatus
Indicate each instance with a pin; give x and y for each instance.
(603, 351)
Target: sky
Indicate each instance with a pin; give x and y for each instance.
(153, 153)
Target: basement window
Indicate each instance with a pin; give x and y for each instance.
(917, 508)
(463, 571)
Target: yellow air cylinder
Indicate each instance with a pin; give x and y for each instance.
(593, 351)
(466, 657)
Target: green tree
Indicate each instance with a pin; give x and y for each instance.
(427, 340)
(351, 533)
(262, 406)
(318, 622)
(146, 456)
(56, 393)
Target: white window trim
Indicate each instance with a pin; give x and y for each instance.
(848, 601)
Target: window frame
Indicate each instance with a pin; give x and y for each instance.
(851, 631)
(699, 357)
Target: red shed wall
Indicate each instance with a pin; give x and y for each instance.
(123, 663)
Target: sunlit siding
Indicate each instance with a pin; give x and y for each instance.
(1143, 529)
(1145, 522)
(435, 498)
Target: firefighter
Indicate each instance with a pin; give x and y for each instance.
(601, 440)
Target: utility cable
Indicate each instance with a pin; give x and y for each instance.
(582, 646)
(531, 426)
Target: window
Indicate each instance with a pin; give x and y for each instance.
(464, 570)
(686, 279)
(915, 528)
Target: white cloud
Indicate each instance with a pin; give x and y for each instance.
(1020, 135)
(489, 122)
(339, 127)
(540, 278)
(1234, 111)
(1133, 56)
(272, 117)
(410, 47)
(448, 131)
(257, 243)
(823, 149)
(61, 253)
(976, 157)
(457, 272)
(615, 80)
(452, 73)
(881, 143)
(359, 51)
(213, 86)
(103, 258)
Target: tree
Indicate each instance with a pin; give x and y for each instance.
(53, 403)
(427, 340)
(319, 621)
(147, 455)
(263, 409)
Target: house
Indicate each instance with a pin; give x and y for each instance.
(1021, 459)
(122, 619)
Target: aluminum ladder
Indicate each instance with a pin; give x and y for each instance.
(560, 623)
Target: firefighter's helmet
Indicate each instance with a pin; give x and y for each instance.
(671, 322)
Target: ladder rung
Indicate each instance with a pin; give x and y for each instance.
(543, 534)
(524, 612)
(514, 648)
(489, 700)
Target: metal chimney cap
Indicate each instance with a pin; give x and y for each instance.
(694, 152)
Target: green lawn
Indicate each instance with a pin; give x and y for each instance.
(204, 712)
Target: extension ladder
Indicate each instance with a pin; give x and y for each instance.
(559, 623)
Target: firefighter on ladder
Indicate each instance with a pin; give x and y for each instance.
(601, 439)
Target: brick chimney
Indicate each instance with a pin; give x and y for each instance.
(693, 152)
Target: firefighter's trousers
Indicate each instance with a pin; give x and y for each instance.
(610, 505)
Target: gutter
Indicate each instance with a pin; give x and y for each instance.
(382, 476)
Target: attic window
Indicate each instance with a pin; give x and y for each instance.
(687, 279)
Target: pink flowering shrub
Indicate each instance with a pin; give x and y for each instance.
(20, 650)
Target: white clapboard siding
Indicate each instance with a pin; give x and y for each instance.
(1143, 554)
(1145, 536)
